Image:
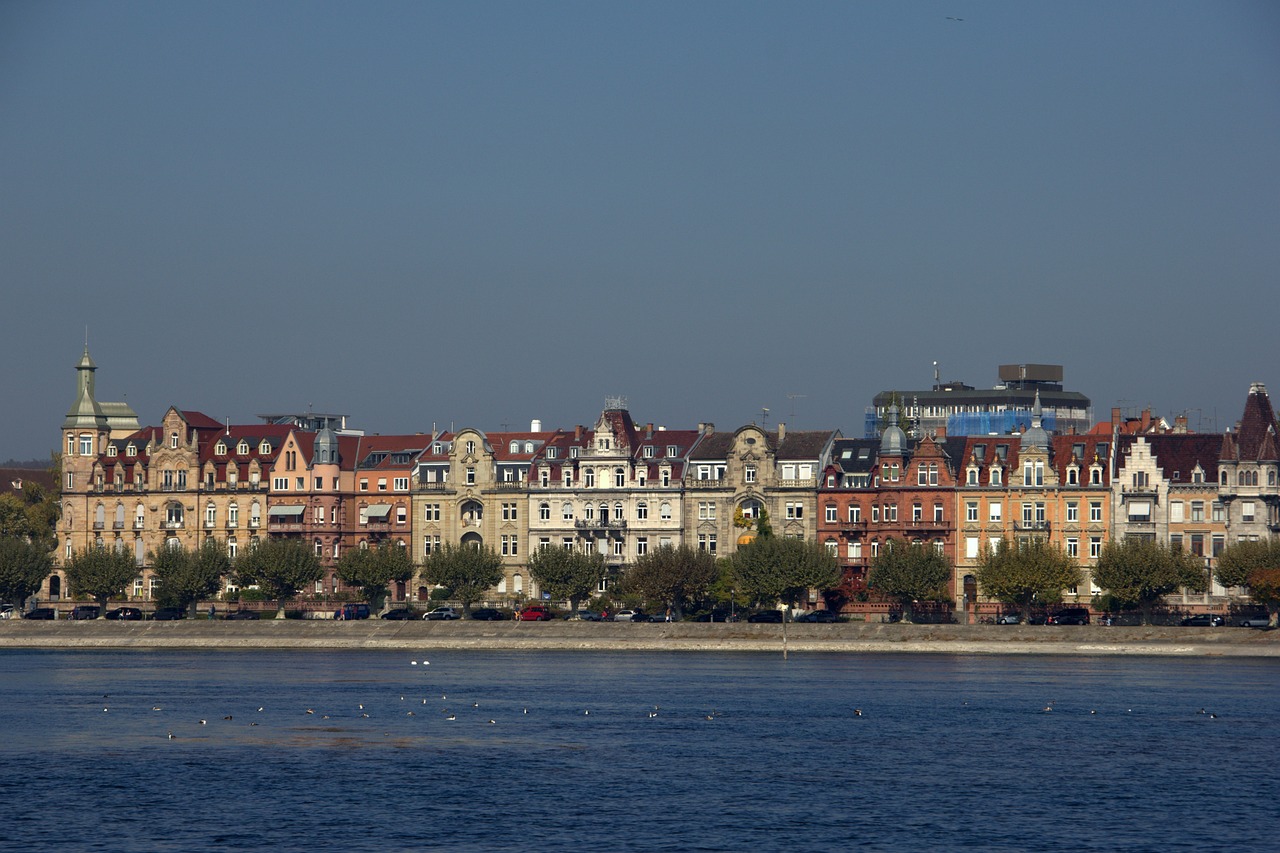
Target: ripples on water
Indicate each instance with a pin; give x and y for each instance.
(745, 751)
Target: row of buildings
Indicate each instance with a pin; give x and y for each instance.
(621, 488)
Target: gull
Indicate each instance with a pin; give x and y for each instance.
(491, 722)
(452, 717)
(227, 717)
(171, 736)
(204, 722)
(857, 712)
(310, 711)
(409, 714)
(158, 708)
(259, 709)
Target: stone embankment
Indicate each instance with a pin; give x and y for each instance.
(683, 636)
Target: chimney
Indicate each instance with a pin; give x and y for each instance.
(648, 430)
(1115, 417)
(535, 425)
(577, 433)
(706, 428)
(1180, 424)
(782, 431)
(940, 433)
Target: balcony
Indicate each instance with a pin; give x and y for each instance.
(1025, 526)
(805, 483)
(117, 525)
(138, 524)
(172, 525)
(600, 524)
(99, 525)
(512, 486)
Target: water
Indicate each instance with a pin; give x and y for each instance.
(745, 751)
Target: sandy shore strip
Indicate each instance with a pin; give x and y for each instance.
(684, 636)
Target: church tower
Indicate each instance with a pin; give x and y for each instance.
(84, 431)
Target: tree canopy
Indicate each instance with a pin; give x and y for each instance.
(23, 567)
(908, 573)
(769, 569)
(672, 576)
(466, 571)
(1139, 572)
(565, 574)
(99, 573)
(185, 577)
(372, 569)
(1254, 565)
(1023, 573)
(280, 567)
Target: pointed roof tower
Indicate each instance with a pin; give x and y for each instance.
(1036, 436)
(85, 413)
(893, 441)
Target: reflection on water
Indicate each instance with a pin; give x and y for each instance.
(633, 751)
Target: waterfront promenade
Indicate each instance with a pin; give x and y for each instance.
(421, 636)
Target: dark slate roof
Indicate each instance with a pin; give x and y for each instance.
(1258, 421)
(1177, 454)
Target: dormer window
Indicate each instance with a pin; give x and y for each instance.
(111, 450)
(528, 447)
(996, 477)
(242, 448)
(264, 448)
(672, 450)
(573, 453)
(972, 477)
(514, 447)
(220, 448)
(551, 452)
(648, 451)
(130, 450)
(471, 448)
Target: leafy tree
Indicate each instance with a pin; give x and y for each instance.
(185, 577)
(281, 567)
(372, 569)
(1139, 572)
(565, 574)
(909, 573)
(1025, 572)
(768, 569)
(672, 576)
(23, 567)
(466, 571)
(1254, 565)
(100, 573)
(14, 522)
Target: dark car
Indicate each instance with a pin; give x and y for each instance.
(41, 613)
(125, 614)
(823, 616)
(1255, 622)
(351, 611)
(717, 616)
(771, 616)
(663, 617)
(488, 614)
(1070, 616)
(85, 611)
(243, 614)
(1204, 620)
(400, 614)
(169, 614)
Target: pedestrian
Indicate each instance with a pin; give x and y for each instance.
(213, 611)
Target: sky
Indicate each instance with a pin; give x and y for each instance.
(426, 214)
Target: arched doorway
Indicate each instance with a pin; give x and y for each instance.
(55, 587)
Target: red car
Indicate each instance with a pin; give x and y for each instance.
(534, 613)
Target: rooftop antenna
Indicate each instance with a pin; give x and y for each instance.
(764, 416)
(793, 398)
(937, 379)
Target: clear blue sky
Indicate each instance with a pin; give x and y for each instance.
(481, 213)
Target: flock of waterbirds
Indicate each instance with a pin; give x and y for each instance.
(449, 713)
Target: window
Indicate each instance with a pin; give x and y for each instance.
(938, 513)
(1218, 511)
(278, 484)
(233, 516)
(972, 477)
(1095, 512)
(1095, 547)
(917, 512)
(566, 511)
(173, 441)
(855, 550)
(298, 483)
(86, 445)
(471, 476)
(1246, 511)
(1176, 512)
(589, 478)
(666, 477)
(971, 547)
(1073, 511)
(402, 514)
(672, 450)
(510, 512)
(431, 512)
(544, 511)
(364, 485)
(401, 484)
(471, 447)
(642, 546)
(1197, 510)
(794, 509)
(994, 510)
(749, 474)
(1139, 511)
(830, 516)
(1073, 547)
(971, 511)
(855, 514)
(890, 512)
(619, 478)
(664, 511)
(706, 510)
(551, 452)
(255, 515)
(996, 476)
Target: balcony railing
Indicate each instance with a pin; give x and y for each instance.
(1041, 526)
(601, 524)
(117, 525)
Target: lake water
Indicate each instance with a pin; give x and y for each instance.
(634, 751)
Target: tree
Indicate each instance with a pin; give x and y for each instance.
(768, 569)
(23, 567)
(909, 573)
(100, 573)
(280, 567)
(466, 571)
(185, 577)
(1254, 565)
(1139, 572)
(672, 576)
(14, 522)
(565, 574)
(1025, 572)
(372, 569)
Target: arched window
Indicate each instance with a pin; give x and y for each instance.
(619, 477)
(544, 511)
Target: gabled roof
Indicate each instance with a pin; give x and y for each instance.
(1258, 421)
(1178, 454)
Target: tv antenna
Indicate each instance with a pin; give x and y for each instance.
(764, 416)
(793, 398)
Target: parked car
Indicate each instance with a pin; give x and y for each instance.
(41, 613)
(488, 614)
(1070, 616)
(717, 616)
(399, 614)
(534, 613)
(1255, 622)
(769, 616)
(664, 617)
(1009, 619)
(583, 616)
(125, 614)
(7, 612)
(819, 616)
(443, 613)
(85, 611)
(627, 615)
(347, 612)
(1204, 620)
(244, 614)
(169, 614)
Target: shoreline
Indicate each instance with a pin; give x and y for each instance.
(859, 638)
